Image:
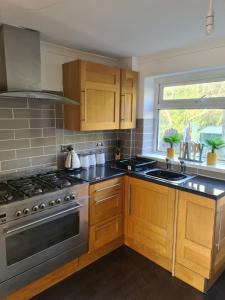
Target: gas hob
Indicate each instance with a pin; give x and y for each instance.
(30, 195)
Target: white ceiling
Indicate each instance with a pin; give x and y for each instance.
(117, 27)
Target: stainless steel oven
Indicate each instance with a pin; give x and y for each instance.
(36, 244)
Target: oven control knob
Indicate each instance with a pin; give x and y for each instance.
(72, 197)
(18, 213)
(26, 211)
(58, 201)
(51, 203)
(35, 208)
(67, 198)
(42, 206)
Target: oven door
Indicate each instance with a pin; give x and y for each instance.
(26, 245)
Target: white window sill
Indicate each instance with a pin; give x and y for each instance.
(219, 167)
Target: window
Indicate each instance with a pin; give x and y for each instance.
(195, 91)
(195, 109)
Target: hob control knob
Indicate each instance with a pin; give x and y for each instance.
(51, 203)
(26, 211)
(58, 201)
(72, 197)
(67, 198)
(35, 208)
(18, 213)
(42, 206)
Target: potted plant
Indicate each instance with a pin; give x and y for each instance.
(171, 139)
(215, 143)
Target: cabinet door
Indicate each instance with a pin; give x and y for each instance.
(128, 99)
(195, 233)
(105, 232)
(106, 200)
(100, 92)
(150, 220)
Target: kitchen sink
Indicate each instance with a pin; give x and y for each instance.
(168, 175)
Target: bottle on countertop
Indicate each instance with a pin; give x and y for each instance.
(118, 150)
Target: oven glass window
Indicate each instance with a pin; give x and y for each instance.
(33, 240)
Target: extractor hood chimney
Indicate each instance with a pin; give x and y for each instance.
(20, 65)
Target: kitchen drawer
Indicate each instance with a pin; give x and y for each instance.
(105, 232)
(105, 206)
(106, 188)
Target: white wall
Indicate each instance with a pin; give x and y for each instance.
(183, 60)
(52, 58)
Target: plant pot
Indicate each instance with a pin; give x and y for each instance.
(170, 153)
(211, 158)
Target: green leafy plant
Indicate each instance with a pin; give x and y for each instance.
(172, 139)
(215, 143)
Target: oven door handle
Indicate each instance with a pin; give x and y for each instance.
(9, 231)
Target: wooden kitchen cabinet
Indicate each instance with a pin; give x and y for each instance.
(200, 240)
(149, 220)
(195, 233)
(128, 99)
(97, 88)
(106, 200)
(106, 208)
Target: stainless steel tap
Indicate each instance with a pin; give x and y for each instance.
(168, 164)
(182, 166)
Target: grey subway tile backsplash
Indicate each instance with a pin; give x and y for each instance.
(27, 133)
(7, 155)
(43, 160)
(50, 150)
(14, 144)
(40, 104)
(49, 132)
(33, 113)
(45, 141)
(6, 113)
(13, 123)
(6, 134)
(15, 164)
(29, 152)
(42, 123)
(13, 103)
(31, 135)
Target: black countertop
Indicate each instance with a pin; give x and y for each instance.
(200, 185)
(97, 174)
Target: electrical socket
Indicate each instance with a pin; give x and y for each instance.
(99, 144)
(64, 148)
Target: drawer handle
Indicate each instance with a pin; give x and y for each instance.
(129, 199)
(123, 107)
(108, 187)
(105, 199)
(83, 99)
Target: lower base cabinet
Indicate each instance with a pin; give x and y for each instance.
(200, 240)
(182, 232)
(149, 219)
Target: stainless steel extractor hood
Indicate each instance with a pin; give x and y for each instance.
(20, 66)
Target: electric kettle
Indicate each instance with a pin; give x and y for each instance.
(72, 160)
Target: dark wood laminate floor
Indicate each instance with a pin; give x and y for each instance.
(124, 274)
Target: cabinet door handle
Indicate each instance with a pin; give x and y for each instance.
(123, 107)
(105, 199)
(83, 99)
(129, 199)
(108, 187)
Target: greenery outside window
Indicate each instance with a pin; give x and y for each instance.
(196, 110)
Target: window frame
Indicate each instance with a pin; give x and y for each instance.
(179, 79)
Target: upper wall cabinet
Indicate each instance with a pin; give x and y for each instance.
(107, 96)
(128, 99)
(97, 87)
